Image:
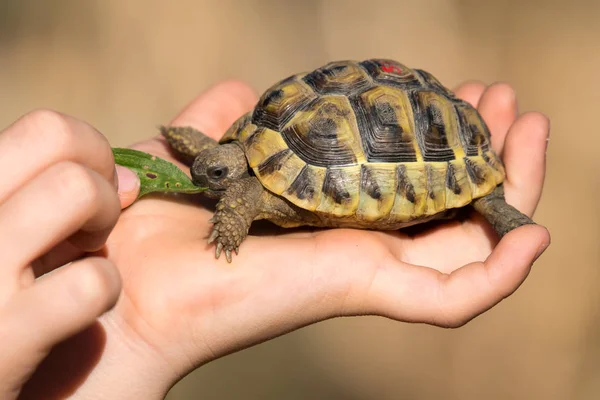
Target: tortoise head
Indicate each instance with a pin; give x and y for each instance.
(216, 168)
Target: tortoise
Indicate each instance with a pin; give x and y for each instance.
(367, 144)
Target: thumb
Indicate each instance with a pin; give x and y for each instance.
(128, 186)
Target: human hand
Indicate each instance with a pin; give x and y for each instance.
(58, 198)
(181, 308)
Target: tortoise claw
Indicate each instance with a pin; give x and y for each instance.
(219, 249)
(237, 251)
(228, 255)
(213, 235)
(213, 219)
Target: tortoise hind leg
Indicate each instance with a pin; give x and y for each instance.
(187, 142)
(503, 217)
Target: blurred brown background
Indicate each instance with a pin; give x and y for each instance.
(128, 66)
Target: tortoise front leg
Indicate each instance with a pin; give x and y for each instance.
(187, 142)
(238, 207)
(503, 217)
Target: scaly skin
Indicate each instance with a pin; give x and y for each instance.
(186, 142)
(237, 208)
(503, 217)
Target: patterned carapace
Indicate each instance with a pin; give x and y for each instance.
(351, 133)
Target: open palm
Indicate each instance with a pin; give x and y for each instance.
(182, 301)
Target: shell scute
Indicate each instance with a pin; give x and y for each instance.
(386, 121)
(341, 77)
(280, 103)
(391, 73)
(437, 124)
(325, 134)
(378, 185)
(411, 193)
(307, 188)
(340, 191)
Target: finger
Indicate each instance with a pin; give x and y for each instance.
(525, 161)
(60, 255)
(56, 307)
(215, 110)
(421, 294)
(498, 107)
(128, 184)
(42, 138)
(470, 92)
(65, 201)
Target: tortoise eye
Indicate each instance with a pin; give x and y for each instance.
(217, 172)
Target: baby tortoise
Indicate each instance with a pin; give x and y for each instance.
(371, 145)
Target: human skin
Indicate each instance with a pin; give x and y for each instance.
(51, 163)
(180, 308)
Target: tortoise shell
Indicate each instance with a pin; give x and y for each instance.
(368, 141)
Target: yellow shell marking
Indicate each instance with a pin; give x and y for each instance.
(458, 193)
(378, 191)
(240, 129)
(411, 196)
(403, 115)
(262, 145)
(449, 122)
(314, 127)
(497, 169)
(346, 203)
(481, 176)
(306, 190)
(435, 176)
(271, 160)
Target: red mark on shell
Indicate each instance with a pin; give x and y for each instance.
(391, 68)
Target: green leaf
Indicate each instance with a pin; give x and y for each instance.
(155, 173)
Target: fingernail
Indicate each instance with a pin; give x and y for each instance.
(127, 181)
